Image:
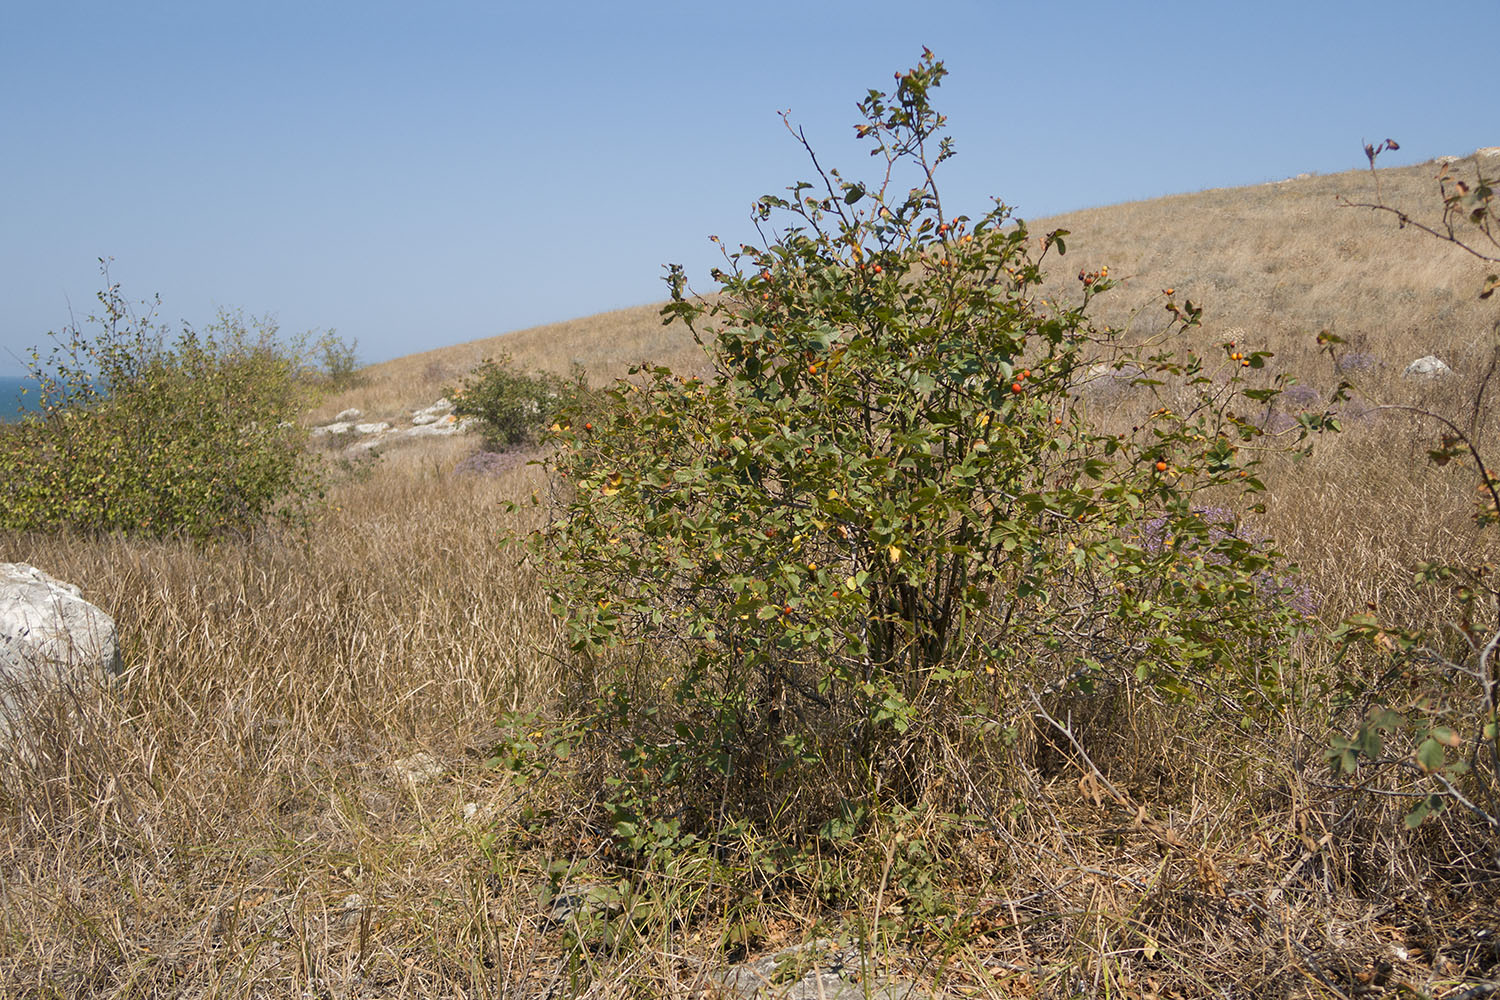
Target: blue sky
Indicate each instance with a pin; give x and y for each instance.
(414, 175)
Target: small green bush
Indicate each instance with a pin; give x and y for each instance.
(514, 406)
(138, 434)
(337, 361)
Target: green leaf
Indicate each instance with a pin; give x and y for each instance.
(1430, 755)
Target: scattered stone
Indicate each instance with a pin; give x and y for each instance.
(51, 639)
(431, 414)
(420, 768)
(368, 444)
(1429, 367)
(582, 903)
(348, 416)
(354, 909)
(433, 424)
(437, 420)
(820, 970)
(1487, 151)
(443, 427)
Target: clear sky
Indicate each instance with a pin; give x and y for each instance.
(420, 174)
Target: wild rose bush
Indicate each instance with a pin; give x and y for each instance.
(886, 520)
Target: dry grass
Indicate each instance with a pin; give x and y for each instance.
(203, 826)
(1276, 263)
(242, 816)
(606, 346)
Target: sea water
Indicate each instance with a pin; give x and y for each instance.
(11, 399)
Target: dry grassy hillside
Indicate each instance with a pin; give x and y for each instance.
(1271, 264)
(288, 794)
(1276, 263)
(606, 345)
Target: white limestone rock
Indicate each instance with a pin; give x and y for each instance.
(420, 768)
(51, 639)
(1429, 367)
(443, 426)
(364, 445)
(432, 414)
(819, 970)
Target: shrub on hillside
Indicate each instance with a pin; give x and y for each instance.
(336, 362)
(139, 434)
(885, 526)
(514, 406)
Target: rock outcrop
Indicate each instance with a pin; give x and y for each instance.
(437, 420)
(1429, 367)
(820, 970)
(51, 639)
(432, 414)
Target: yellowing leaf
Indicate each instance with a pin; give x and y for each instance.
(1430, 755)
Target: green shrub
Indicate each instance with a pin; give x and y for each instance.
(141, 435)
(885, 524)
(336, 361)
(514, 406)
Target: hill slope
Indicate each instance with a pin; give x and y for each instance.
(1272, 264)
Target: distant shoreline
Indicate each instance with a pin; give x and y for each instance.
(11, 398)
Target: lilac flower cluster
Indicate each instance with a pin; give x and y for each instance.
(1222, 524)
(1300, 397)
(1358, 361)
